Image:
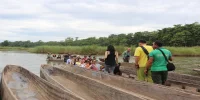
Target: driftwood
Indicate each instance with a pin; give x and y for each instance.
(20, 84)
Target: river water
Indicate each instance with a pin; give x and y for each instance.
(32, 61)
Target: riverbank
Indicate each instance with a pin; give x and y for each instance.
(13, 48)
(82, 50)
(100, 50)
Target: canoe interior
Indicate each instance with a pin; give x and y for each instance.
(148, 89)
(85, 87)
(20, 84)
(180, 81)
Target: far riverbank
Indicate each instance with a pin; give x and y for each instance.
(100, 50)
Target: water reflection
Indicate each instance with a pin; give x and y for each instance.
(27, 60)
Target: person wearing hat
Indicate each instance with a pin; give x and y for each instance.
(141, 58)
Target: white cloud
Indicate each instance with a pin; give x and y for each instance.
(57, 19)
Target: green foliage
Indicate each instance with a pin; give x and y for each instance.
(12, 48)
(5, 43)
(179, 35)
(84, 50)
(184, 51)
(100, 50)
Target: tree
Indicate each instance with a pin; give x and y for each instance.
(5, 43)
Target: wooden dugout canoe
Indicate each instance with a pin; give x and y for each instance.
(157, 92)
(181, 81)
(20, 84)
(86, 87)
(188, 82)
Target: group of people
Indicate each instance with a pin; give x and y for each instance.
(111, 62)
(85, 62)
(150, 62)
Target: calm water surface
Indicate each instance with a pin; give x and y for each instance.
(27, 60)
(32, 61)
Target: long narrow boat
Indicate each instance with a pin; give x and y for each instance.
(156, 92)
(87, 88)
(181, 81)
(19, 84)
(197, 70)
(177, 80)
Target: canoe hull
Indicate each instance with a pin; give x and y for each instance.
(40, 89)
(181, 79)
(103, 90)
(154, 91)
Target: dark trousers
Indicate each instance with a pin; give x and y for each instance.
(126, 59)
(159, 77)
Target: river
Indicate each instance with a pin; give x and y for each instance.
(32, 61)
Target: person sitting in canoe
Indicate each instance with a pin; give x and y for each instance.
(59, 56)
(82, 64)
(78, 61)
(84, 58)
(54, 55)
(49, 55)
(89, 57)
(126, 55)
(66, 57)
(69, 61)
(94, 58)
(88, 64)
(93, 65)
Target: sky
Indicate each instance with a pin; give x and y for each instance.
(55, 20)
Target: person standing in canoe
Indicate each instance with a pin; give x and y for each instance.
(126, 55)
(111, 59)
(141, 58)
(157, 63)
(49, 56)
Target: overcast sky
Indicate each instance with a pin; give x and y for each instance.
(55, 20)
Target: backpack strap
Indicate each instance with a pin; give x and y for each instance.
(163, 54)
(145, 51)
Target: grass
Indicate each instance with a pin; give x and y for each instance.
(12, 48)
(99, 50)
(84, 50)
(185, 51)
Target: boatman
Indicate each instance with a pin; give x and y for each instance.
(126, 55)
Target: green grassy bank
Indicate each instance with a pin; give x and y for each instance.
(185, 51)
(84, 50)
(13, 48)
(99, 50)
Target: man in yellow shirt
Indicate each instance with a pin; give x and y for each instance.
(141, 59)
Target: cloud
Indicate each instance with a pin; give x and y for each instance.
(58, 19)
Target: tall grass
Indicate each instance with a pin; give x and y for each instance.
(12, 48)
(84, 50)
(100, 50)
(185, 51)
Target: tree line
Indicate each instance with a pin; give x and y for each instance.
(178, 35)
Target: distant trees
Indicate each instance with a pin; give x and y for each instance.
(179, 35)
(5, 43)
